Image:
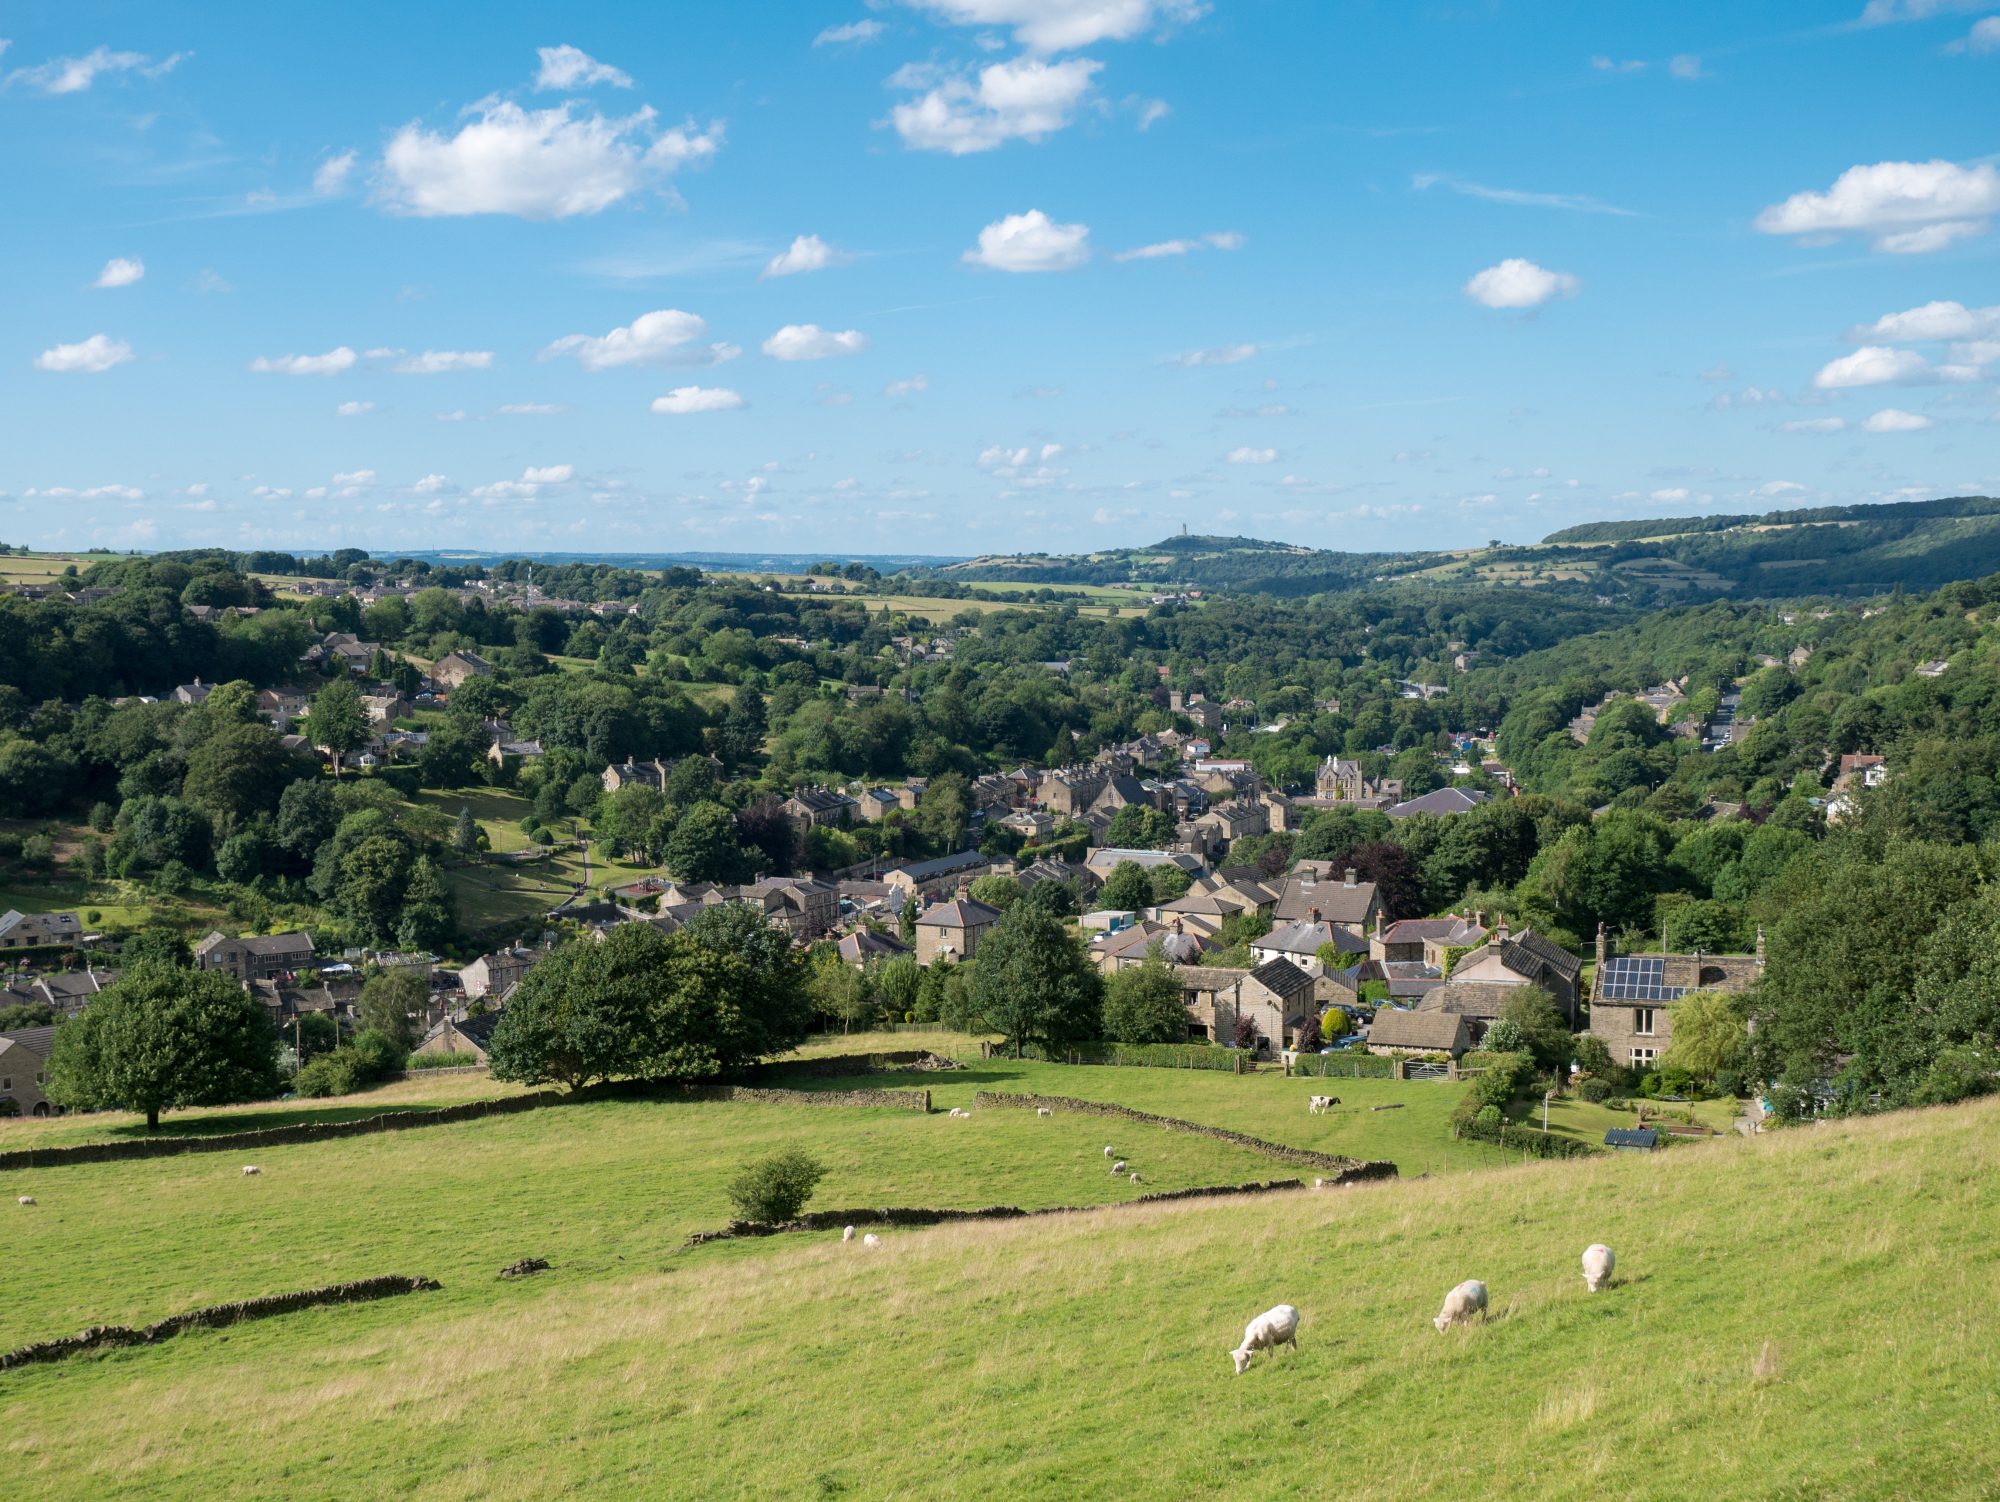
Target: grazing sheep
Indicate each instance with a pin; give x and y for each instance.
(251, 1170)
(1109, 1153)
(1319, 1183)
(27, 1199)
(1134, 1175)
(1043, 1111)
(871, 1239)
(1598, 1261)
(1118, 1167)
(847, 1233)
(1273, 1328)
(1461, 1304)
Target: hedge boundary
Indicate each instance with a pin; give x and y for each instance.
(110, 1337)
(827, 1220)
(403, 1121)
(1345, 1170)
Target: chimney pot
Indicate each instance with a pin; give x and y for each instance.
(1350, 876)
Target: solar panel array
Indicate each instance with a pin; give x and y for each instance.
(1637, 978)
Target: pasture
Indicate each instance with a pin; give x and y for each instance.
(1800, 1315)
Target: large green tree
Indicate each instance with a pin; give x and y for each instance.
(1143, 1003)
(703, 846)
(1033, 982)
(161, 1039)
(338, 724)
(394, 1002)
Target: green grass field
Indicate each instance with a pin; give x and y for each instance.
(498, 811)
(1804, 1315)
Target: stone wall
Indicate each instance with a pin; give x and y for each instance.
(106, 1337)
(847, 1065)
(1344, 1170)
(895, 1100)
(830, 1220)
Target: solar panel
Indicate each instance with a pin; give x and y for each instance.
(1637, 978)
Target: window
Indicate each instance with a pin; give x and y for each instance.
(7, 1083)
(1642, 1021)
(1644, 1055)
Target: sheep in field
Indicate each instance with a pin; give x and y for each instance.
(1273, 1328)
(847, 1233)
(1109, 1153)
(27, 1199)
(1043, 1111)
(1134, 1175)
(1118, 1167)
(1319, 1183)
(1461, 1304)
(251, 1170)
(1598, 1261)
(871, 1239)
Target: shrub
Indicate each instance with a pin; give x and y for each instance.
(1505, 1036)
(329, 1074)
(776, 1188)
(1309, 1035)
(1594, 1090)
(1245, 1032)
(1728, 1082)
(1489, 1116)
(1501, 1076)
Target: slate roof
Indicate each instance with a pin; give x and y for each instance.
(961, 912)
(866, 944)
(1443, 1031)
(943, 865)
(1282, 977)
(1440, 801)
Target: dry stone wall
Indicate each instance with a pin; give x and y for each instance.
(1344, 1170)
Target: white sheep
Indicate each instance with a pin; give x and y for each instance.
(1043, 1111)
(1461, 1304)
(847, 1233)
(27, 1199)
(1109, 1153)
(871, 1239)
(251, 1170)
(1319, 1183)
(1273, 1328)
(1118, 1167)
(1598, 1261)
(1134, 1176)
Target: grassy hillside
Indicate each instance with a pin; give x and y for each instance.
(1807, 1315)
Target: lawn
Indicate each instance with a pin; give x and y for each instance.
(1803, 1315)
(489, 892)
(118, 904)
(498, 811)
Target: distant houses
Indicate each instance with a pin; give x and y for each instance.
(255, 957)
(952, 930)
(38, 930)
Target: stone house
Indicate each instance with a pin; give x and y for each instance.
(24, 1060)
(66, 992)
(497, 973)
(468, 1037)
(38, 930)
(1311, 895)
(1523, 959)
(952, 930)
(805, 908)
(1633, 996)
(873, 803)
(817, 807)
(454, 668)
(935, 878)
(1274, 997)
(1429, 940)
(255, 956)
(1300, 943)
(864, 944)
(1401, 1033)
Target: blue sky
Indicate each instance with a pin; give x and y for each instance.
(965, 275)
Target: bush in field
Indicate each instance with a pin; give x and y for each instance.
(1594, 1090)
(368, 1060)
(776, 1188)
(1505, 1036)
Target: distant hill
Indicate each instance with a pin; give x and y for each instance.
(1828, 550)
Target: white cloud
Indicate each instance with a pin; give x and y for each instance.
(1814, 425)
(808, 341)
(354, 409)
(1686, 67)
(805, 253)
(1614, 65)
(568, 67)
(1063, 25)
(1982, 40)
(1932, 321)
(208, 280)
(853, 31)
(549, 474)
(1909, 207)
(911, 387)
(1895, 420)
(1151, 112)
(72, 75)
(355, 477)
(1581, 203)
(333, 173)
(684, 400)
(120, 271)
(432, 485)
(1885, 12)
(333, 362)
(90, 357)
(1224, 354)
(437, 361)
(1220, 240)
(536, 164)
(663, 337)
(1025, 99)
(1672, 496)
(1517, 283)
(1247, 455)
(1772, 490)
(531, 409)
(1871, 365)
(1031, 242)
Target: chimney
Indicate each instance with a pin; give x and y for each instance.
(1314, 915)
(1760, 947)
(1479, 917)
(1350, 877)
(1603, 948)
(1500, 928)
